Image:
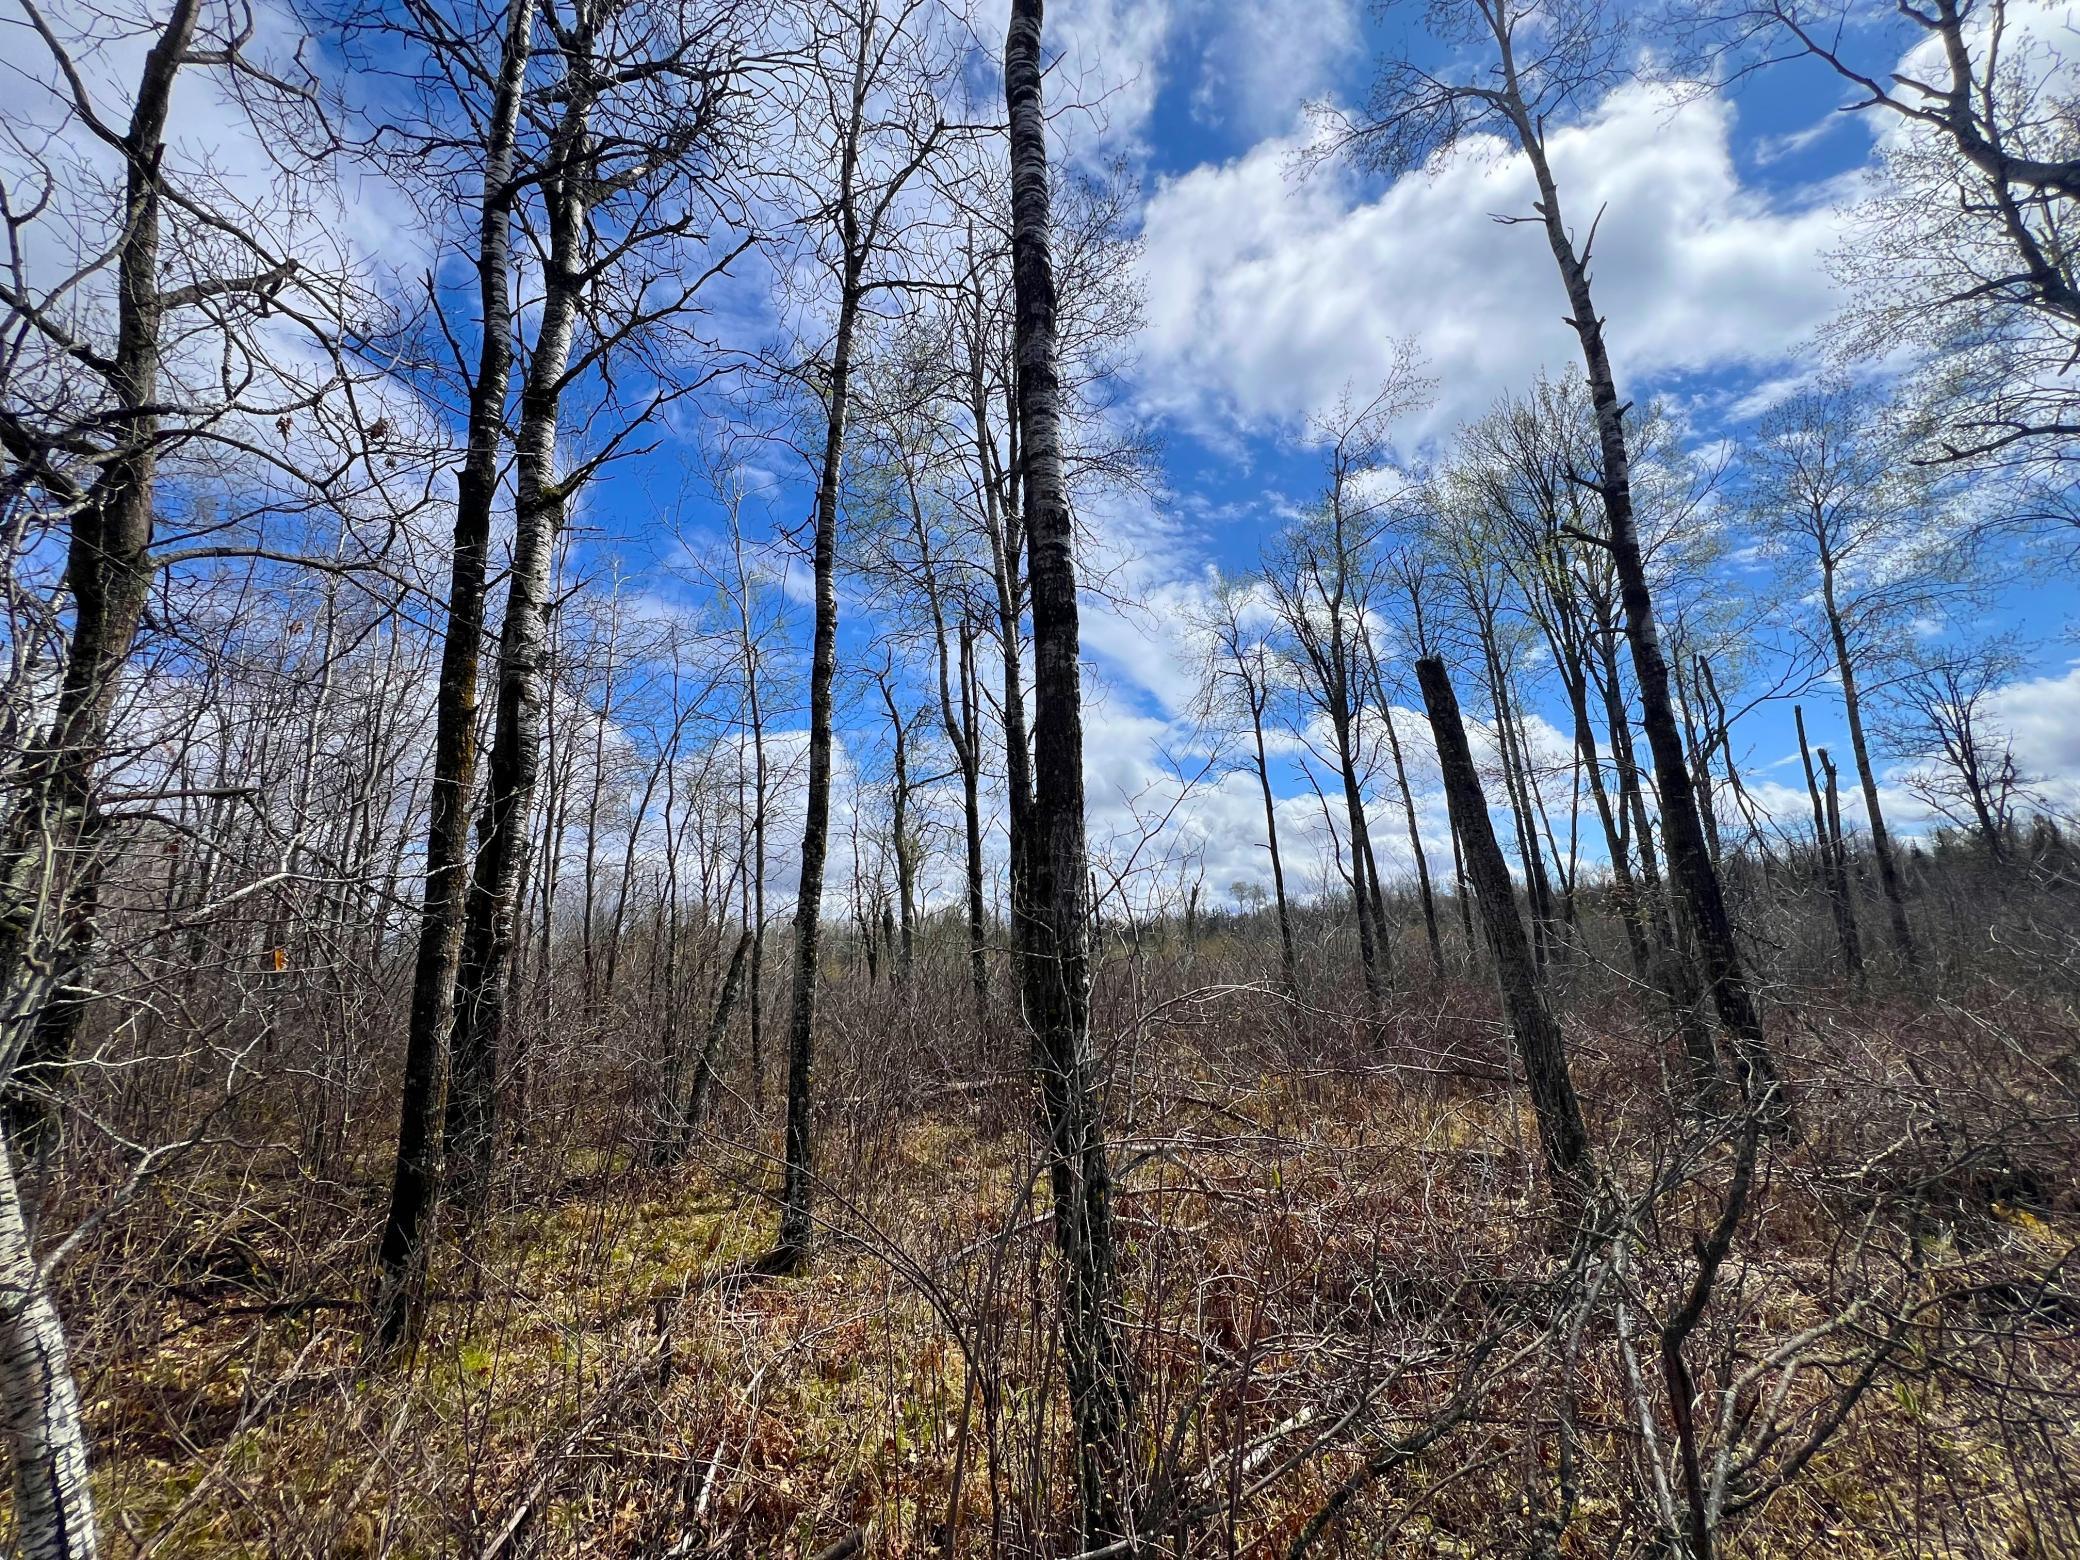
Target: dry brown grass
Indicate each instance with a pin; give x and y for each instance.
(1306, 1226)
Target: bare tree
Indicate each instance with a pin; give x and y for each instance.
(455, 709)
(1537, 64)
(864, 120)
(1834, 869)
(1242, 666)
(1960, 250)
(1055, 932)
(1941, 718)
(146, 362)
(1319, 575)
(1832, 492)
(627, 188)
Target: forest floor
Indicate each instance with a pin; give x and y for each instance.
(603, 1372)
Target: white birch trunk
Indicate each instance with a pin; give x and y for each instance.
(39, 1402)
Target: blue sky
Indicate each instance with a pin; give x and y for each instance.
(1268, 291)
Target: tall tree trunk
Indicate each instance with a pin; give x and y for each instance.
(1517, 784)
(46, 875)
(970, 748)
(1464, 895)
(1057, 973)
(1700, 758)
(1833, 877)
(1575, 678)
(1289, 962)
(1004, 528)
(1881, 838)
(755, 707)
(1408, 809)
(797, 1220)
(1354, 820)
(48, 872)
(455, 711)
(1702, 901)
(899, 823)
(1721, 737)
(1563, 1138)
(481, 988)
(962, 725)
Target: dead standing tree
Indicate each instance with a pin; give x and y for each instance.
(1536, 64)
(1562, 1135)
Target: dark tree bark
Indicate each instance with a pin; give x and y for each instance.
(1701, 899)
(755, 885)
(1833, 878)
(960, 721)
(47, 873)
(1003, 528)
(900, 843)
(1415, 834)
(400, 1257)
(1563, 1137)
(1518, 786)
(481, 981)
(1057, 973)
(969, 746)
(1289, 961)
(797, 1221)
(1859, 748)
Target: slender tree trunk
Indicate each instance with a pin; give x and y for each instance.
(797, 1220)
(683, 1119)
(400, 1258)
(970, 748)
(1018, 767)
(1700, 760)
(595, 795)
(1839, 854)
(1722, 738)
(1702, 900)
(963, 734)
(1383, 937)
(46, 875)
(1057, 974)
(1517, 786)
(1832, 877)
(1465, 897)
(1563, 1137)
(1354, 820)
(1415, 833)
(899, 820)
(1289, 963)
(1881, 837)
(754, 707)
(1575, 678)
